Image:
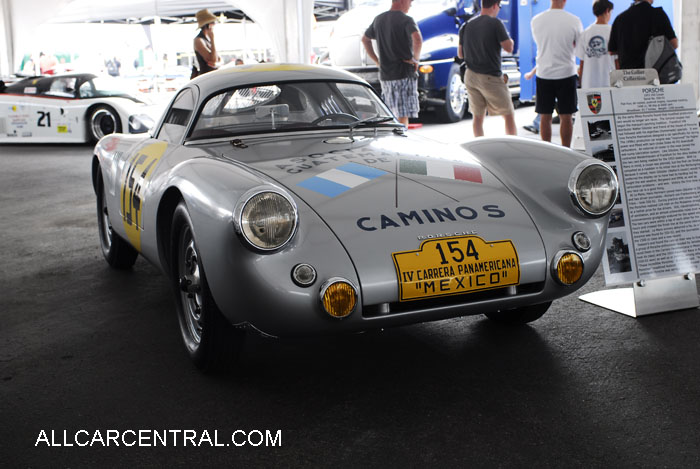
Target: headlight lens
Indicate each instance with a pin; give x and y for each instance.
(140, 123)
(593, 188)
(267, 220)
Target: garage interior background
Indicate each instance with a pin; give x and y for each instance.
(287, 22)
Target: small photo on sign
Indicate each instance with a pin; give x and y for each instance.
(618, 251)
(599, 130)
(616, 218)
(604, 152)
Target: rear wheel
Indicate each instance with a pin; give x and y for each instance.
(117, 252)
(518, 316)
(455, 97)
(102, 120)
(211, 341)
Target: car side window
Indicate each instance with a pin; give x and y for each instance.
(87, 90)
(63, 87)
(177, 117)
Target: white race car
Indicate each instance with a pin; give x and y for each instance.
(77, 107)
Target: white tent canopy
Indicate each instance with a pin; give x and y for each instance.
(288, 22)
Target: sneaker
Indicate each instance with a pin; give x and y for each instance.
(531, 128)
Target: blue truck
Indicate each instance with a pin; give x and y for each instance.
(439, 84)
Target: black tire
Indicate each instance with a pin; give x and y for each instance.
(519, 316)
(102, 120)
(211, 341)
(455, 98)
(117, 252)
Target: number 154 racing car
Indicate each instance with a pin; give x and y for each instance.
(287, 199)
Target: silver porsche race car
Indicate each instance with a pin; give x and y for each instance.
(287, 199)
(77, 107)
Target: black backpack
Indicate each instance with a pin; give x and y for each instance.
(662, 57)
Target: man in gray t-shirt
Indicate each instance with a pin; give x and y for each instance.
(480, 42)
(399, 42)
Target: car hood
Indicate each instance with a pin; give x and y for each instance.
(385, 195)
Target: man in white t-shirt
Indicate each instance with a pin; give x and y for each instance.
(592, 48)
(555, 32)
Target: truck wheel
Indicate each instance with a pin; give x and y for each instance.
(455, 98)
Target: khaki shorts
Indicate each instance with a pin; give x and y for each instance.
(488, 92)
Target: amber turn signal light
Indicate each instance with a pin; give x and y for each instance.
(338, 297)
(568, 268)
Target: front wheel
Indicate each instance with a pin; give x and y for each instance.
(455, 97)
(102, 120)
(211, 341)
(518, 316)
(118, 253)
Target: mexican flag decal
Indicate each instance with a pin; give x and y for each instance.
(441, 169)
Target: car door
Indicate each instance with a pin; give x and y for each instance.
(48, 106)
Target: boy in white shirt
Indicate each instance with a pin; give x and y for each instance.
(592, 48)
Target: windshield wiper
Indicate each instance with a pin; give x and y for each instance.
(370, 121)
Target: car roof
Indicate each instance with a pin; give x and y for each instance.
(43, 82)
(269, 73)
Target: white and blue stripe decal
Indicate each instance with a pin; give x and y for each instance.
(343, 178)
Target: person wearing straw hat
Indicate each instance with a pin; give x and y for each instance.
(204, 46)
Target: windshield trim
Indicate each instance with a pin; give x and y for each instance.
(327, 131)
(203, 103)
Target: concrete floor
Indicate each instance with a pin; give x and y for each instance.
(84, 347)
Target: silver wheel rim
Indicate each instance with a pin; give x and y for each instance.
(191, 295)
(103, 123)
(106, 231)
(458, 94)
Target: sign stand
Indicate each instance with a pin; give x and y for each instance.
(648, 296)
(667, 115)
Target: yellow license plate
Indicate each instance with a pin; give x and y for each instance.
(455, 265)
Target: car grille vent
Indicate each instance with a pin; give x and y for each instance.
(373, 311)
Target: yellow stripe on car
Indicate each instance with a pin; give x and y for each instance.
(139, 170)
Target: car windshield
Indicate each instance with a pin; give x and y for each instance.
(102, 87)
(290, 107)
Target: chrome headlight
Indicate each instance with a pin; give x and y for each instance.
(266, 218)
(140, 123)
(593, 187)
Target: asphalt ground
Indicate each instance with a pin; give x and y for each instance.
(84, 348)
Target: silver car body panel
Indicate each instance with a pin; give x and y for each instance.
(515, 189)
